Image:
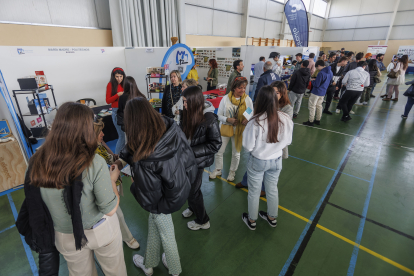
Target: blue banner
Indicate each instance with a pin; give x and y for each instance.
(297, 18)
(179, 57)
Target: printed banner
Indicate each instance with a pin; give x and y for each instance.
(308, 50)
(178, 57)
(297, 18)
(406, 50)
(377, 49)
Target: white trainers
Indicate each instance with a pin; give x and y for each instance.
(215, 173)
(133, 244)
(365, 103)
(164, 261)
(338, 111)
(192, 225)
(139, 262)
(231, 176)
(187, 213)
(351, 112)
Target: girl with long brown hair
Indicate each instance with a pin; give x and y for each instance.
(266, 134)
(212, 75)
(394, 83)
(232, 125)
(162, 167)
(201, 128)
(79, 192)
(114, 90)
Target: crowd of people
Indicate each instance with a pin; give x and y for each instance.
(72, 198)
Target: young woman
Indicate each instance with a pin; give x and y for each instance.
(202, 131)
(178, 107)
(266, 134)
(163, 167)
(105, 152)
(232, 125)
(394, 83)
(80, 193)
(284, 106)
(212, 76)
(130, 91)
(172, 94)
(114, 90)
(373, 72)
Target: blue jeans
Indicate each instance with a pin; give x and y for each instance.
(269, 171)
(253, 90)
(373, 87)
(121, 135)
(408, 106)
(244, 182)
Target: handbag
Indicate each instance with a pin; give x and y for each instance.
(409, 92)
(377, 79)
(392, 74)
(227, 130)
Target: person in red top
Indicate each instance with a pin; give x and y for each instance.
(114, 90)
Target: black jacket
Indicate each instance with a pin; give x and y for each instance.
(351, 66)
(265, 79)
(162, 182)
(340, 73)
(300, 80)
(206, 140)
(121, 108)
(372, 74)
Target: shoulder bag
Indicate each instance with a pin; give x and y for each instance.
(392, 74)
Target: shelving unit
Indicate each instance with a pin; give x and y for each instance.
(35, 94)
(148, 81)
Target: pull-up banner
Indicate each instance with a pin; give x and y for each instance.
(297, 18)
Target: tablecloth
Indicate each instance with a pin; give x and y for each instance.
(216, 101)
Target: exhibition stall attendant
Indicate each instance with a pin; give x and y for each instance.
(114, 90)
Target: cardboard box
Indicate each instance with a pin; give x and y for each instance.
(12, 165)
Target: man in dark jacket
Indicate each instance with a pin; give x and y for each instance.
(266, 78)
(297, 87)
(335, 86)
(319, 87)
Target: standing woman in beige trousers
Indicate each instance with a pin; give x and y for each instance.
(80, 194)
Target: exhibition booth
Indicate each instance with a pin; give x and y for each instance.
(77, 73)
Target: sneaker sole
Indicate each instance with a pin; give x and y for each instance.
(148, 274)
(187, 216)
(272, 225)
(198, 228)
(164, 262)
(245, 221)
(214, 177)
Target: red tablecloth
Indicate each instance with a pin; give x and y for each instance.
(216, 101)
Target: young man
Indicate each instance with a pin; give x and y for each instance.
(258, 71)
(277, 68)
(331, 60)
(266, 78)
(297, 87)
(238, 67)
(381, 67)
(299, 59)
(311, 65)
(335, 86)
(355, 81)
(319, 87)
(350, 56)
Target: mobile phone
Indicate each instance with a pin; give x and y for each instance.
(102, 220)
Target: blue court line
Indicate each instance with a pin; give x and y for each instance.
(303, 234)
(11, 190)
(328, 168)
(29, 254)
(10, 227)
(354, 257)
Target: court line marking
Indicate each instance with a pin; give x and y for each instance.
(354, 257)
(308, 221)
(10, 227)
(29, 254)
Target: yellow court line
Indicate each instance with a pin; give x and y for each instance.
(379, 256)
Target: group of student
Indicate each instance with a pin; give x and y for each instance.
(72, 197)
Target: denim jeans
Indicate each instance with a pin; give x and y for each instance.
(244, 182)
(257, 171)
(253, 90)
(408, 106)
(121, 135)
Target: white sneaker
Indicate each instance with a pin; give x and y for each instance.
(139, 262)
(365, 103)
(215, 173)
(192, 225)
(133, 244)
(338, 111)
(351, 112)
(164, 261)
(187, 213)
(231, 176)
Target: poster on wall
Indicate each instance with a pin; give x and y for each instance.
(225, 66)
(307, 51)
(377, 49)
(203, 56)
(406, 50)
(178, 57)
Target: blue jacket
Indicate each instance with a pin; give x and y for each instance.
(321, 84)
(265, 79)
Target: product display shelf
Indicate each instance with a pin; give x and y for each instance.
(149, 93)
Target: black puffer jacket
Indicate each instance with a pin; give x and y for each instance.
(206, 140)
(162, 182)
(300, 81)
(121, 109)
(372, 74)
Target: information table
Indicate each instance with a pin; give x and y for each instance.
(216, 101)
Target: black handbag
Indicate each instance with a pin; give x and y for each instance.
(409, 92)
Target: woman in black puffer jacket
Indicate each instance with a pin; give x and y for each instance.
(162, 167)
(201, 128)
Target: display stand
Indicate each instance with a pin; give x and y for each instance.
(149, 93)
(35, 94)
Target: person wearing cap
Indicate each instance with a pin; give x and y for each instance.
(258, 71)
(277, 68)
(266, 78)
(299, 63)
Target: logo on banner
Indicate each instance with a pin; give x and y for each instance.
(297, 18)
(179, 57)
(103, 51)
(20, 51)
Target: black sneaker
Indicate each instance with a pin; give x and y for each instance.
(372, 96)
(316, 122)
(346, 119)
(295, 116)
(308, 123)
(251, 225)
(327, 112)
(264, 216)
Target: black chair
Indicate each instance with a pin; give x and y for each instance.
(87, 100)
